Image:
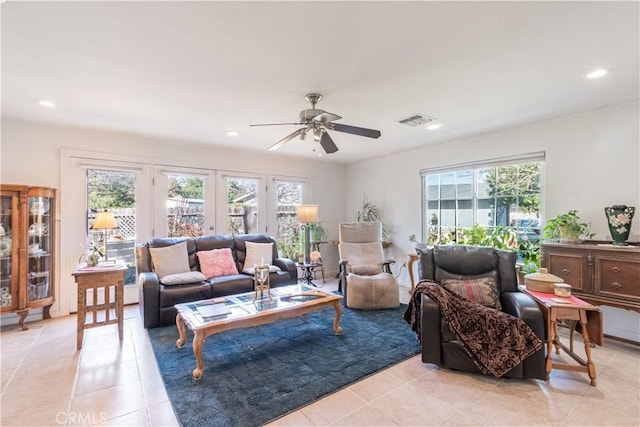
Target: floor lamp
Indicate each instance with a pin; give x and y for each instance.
(105, 221)
(306, 215)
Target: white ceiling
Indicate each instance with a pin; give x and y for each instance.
(193, 70)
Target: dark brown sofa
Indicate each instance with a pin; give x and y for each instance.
(157, 300)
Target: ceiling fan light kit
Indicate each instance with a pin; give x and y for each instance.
(319, 122)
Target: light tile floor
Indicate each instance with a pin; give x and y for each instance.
(45, 382)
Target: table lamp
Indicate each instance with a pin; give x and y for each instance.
(306, 215)
(105, 221)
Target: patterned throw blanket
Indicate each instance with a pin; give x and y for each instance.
(494, 340)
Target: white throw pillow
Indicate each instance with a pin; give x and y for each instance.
(182, 278)
(252, 270)
(257, 254)
(172, 259)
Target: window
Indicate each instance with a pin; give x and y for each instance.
(288, 197)
(490, 195)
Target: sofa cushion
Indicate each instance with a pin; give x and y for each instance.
(176, 294)
(182, 278)
(170, 259)
(366, 270)
(217, 262)
(481, 291)
(257, 254)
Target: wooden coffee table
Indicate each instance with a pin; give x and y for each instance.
(209, 317)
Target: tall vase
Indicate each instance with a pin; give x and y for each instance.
(619, 219)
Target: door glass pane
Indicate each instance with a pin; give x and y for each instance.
(40, 248)
(115, 192)
(288, 235)
(185, 205)
(242, 205)
(8, 269)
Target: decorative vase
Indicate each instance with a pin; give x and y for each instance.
(93, 259)
(619, 219)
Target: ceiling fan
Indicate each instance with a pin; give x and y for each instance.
(318, 122)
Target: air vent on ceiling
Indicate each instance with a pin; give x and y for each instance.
(417, 119)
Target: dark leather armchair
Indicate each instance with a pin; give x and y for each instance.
(439, 345)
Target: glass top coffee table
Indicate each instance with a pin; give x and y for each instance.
(211, 316)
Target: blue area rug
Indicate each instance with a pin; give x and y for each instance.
(257, 374)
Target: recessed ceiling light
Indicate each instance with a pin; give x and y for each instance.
(48, 104)
(434, 126)
(232, 133)
(600, 72)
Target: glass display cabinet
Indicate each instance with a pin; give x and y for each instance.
(27, 249)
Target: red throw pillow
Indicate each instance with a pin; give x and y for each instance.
(217, 262)
(481, 291)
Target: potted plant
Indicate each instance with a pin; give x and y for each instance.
(530, 252)
(318, 233)
(567, 228)
(371, 212)
(419, 245)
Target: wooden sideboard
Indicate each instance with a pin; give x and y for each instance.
(598, 272)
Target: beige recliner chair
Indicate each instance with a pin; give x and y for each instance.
(365, 275)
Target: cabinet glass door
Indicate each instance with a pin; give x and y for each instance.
(8, 268)
(40, 248)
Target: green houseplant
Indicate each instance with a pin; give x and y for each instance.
(567, 228)
(418, 245)
(369, 211)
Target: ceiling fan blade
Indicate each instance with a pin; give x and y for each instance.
(326, 117)
(369, 133)
(285, 139)
(275, 124)
(327, 143)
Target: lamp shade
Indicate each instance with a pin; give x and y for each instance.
(104, 221)
(307, 213)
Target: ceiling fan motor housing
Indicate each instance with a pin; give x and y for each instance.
(309, 114)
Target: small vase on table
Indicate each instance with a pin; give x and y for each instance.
(619, 220)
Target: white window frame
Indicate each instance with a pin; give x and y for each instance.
(490, 163)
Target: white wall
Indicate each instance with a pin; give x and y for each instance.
(592, 161)
(31, 154)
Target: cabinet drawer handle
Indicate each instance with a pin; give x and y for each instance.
(616, 269)
(616, 285)
(564, 271)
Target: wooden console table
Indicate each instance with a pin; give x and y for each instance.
(95, 278)
(598, 272)
(575, 311)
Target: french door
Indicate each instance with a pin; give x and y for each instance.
(123, 190)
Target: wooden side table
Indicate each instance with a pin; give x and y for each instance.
(95, 278)
(413, 257)
(575, 311)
